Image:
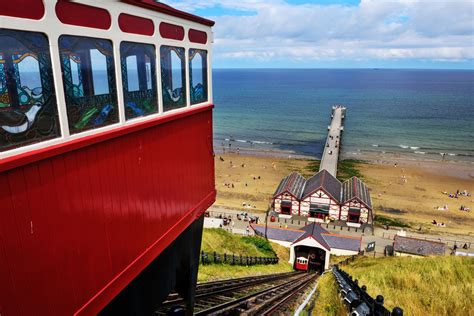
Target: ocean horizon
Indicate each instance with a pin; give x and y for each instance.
(418, 112)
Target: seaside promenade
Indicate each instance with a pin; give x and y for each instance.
(333, 142)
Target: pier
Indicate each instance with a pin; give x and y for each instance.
(333, 141)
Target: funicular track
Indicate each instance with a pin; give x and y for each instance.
(262, 295)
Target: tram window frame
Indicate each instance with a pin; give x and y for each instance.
(143, 100)
(197, 96)
(30, 114)
(87, 110)
(169, 94)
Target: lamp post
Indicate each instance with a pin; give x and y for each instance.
(266, 218)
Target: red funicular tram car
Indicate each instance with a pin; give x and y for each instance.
(301, 264)
(106, 158)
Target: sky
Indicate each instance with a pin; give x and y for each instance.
(339, 33)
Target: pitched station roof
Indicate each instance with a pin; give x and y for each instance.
(316, 232)
(418, 247)
(293, 184)
(323, 180)
(343, 242)
(275, 233)
(313, 230)
(355, 188)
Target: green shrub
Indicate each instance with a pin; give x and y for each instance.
(384, 220)
(262, 244)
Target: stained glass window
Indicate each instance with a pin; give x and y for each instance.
(139, 79)
(198, 75)
(173, 77)
(28, 109)
(89, 82)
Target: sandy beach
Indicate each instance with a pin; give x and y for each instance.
(404, 188)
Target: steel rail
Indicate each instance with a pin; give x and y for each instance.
(286, 298)
(214, 288)
(233, 304)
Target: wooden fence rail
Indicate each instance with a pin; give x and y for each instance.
(213, 257)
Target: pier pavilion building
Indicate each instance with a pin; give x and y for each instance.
(322, 198)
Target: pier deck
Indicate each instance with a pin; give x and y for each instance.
(333, 142)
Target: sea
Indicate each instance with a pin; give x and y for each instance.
(425, 114)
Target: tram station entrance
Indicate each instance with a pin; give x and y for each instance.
(316, 257)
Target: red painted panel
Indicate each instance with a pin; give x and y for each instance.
(171, 31)
(28, 9)
(76, 227)
(166, 9)
(83, 15)
(196, 36)
(136, 25)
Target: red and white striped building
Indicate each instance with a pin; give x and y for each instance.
(323, 197)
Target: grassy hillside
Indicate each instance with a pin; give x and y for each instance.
(421, 286)
(222, 241)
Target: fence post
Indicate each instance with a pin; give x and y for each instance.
(225, 257)
(378, 304)
(202, 258)
(215, 261)
(240, 259)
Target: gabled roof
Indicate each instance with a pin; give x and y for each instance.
(293, 184)
(418, 247)
(355, 188)
(314, 230)
(325, 181)
(329, 240)
(275, 233)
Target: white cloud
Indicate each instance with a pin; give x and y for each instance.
(394, 29)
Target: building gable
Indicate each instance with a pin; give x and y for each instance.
(293, 184)
(356, 188)
(325, 181)
(311, 242)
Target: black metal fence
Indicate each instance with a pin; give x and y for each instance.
(357, 299)
(213, 257)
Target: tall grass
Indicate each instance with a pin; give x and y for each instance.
(326, 300)
(420, 286)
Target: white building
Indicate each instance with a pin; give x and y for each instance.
(311, 242)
